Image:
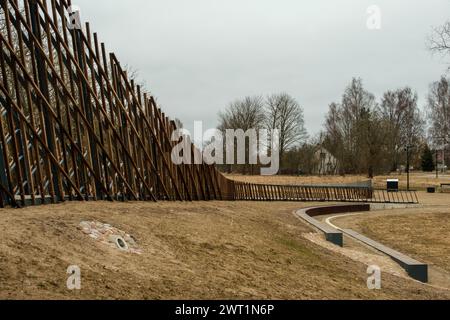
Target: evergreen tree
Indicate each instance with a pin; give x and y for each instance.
(427, 160)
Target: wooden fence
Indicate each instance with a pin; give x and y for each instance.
(74, 126)
(260, 192)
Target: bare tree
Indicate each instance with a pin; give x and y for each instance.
(353, 131)
(439, 39)
(134, 75)
(370, 139)
(284, 113)
(335, 130)
(402, 121)
(178, 123)
(243, 115)
(438, 108)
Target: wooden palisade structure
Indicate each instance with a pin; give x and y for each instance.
(74, 126)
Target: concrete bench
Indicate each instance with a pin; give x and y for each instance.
(337, 209)
(415, 269)
(332, 235)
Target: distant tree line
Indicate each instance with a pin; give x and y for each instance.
(370, 137)
(375, 138)
(364, 135)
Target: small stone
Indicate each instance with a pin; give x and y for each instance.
(130, 240)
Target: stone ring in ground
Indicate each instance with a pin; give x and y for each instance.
(111, 236)
(119, 242)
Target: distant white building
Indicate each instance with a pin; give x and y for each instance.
(442, 157)
(326, 163)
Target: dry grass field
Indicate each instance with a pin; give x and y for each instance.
(418, 180)
(422, 233)
(214, 250)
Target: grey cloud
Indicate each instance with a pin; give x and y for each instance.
(198, 55)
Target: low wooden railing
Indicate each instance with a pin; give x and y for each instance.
(261, 192)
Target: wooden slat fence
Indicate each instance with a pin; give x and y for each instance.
(260, 192)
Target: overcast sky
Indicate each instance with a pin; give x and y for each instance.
(198, 55)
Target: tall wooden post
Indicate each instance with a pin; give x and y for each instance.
(88, 111)
(43, 86)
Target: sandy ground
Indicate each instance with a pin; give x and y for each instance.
(208, 250)
(418, 180)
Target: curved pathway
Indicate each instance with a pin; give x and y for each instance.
(358, 254)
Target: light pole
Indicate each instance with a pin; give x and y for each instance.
(408, 154)
(437, 164)
(443, 153)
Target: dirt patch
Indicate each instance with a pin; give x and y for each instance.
(208, 250)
